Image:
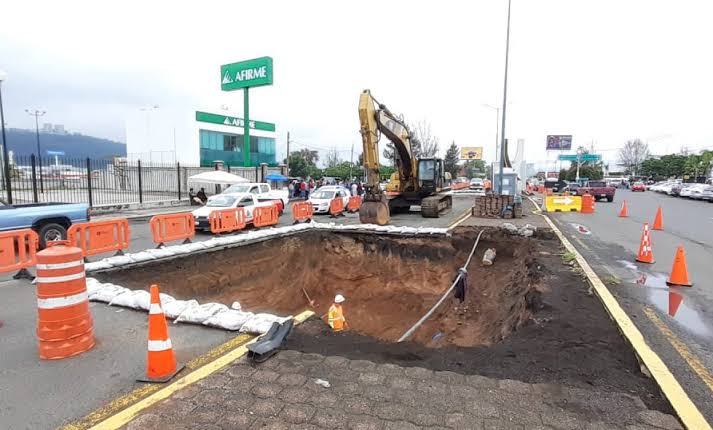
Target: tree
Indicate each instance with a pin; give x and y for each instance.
(303, 163)
(475, 168)
(450, 162)
(389, 153)
(633, 154)
(332, 158)
(360, 160)
(423, 139)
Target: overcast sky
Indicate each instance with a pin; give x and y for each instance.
(603, 71)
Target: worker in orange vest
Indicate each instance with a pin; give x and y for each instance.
(336, 314)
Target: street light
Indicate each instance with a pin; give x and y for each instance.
(505, 98)
(6, 161)
(37, 114)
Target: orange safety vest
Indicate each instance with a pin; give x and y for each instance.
(336, 317)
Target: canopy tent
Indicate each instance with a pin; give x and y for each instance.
(217, 177)
(276, 177)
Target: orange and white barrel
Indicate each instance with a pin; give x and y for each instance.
(64, 323)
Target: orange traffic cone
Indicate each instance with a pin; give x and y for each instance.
(161, 364)
(646, 254)
(658, 221)
(624, 212)
(674, 301)
(679, 272)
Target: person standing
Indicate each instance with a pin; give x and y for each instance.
(354, 189)
(303, 189)
(335, 316)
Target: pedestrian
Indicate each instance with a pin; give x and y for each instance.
(195, 201)
(335, 316)
(310, 187)
(360, 189)
(201, 196)
(487, 185)
(303, 189)
(290, 188)
(354, 188)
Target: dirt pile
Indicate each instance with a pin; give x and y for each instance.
(389, 282)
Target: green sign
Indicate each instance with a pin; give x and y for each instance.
(246, 74)
(233, 121)
(583, 157)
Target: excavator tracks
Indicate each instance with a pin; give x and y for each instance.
(434, 206)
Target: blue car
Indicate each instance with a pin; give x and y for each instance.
(50, 220)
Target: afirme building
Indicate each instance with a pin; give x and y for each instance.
(197, 137)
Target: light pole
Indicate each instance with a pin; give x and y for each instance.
(505, 98)
(37, 114)
(6, 161)
(580, 151)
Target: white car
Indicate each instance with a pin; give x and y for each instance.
(262, 191)
(694, 191)
(322, 197)
(247, 201)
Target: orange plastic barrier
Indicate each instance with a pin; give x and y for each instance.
(336, 207)
(354, 204)
(18, 250)
(99, 237)
(587, 204)
(265, 215)
(64, 323)
(302, 211)
(166, 228)
(227, 220)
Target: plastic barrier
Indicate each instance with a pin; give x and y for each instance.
(227, 220)
(18, 250)
(588, 204)
(265, 215)
(99, 237)
(563, 203)
(302, 211)
(354, 204)
(64, 323)
(166, 228)
(336, 207)
(460, 186)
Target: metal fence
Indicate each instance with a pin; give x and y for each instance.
(106, 182)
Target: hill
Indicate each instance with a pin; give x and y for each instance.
(24, 143)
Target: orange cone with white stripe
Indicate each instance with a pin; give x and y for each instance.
(646, 254)
(624, 212)
(161, 363)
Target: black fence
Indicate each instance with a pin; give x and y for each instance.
(104, 182)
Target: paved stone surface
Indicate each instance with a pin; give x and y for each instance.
(282, 394)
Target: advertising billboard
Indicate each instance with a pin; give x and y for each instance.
(471, 153)
(559, 142)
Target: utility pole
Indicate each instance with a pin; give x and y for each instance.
(37, 114)
(6, 161)
(505, 96)
(287, 159)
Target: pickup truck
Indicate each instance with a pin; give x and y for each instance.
(262, 192)
(247, 201)
(49, 220)
(598, 189)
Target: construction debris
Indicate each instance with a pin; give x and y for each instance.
(489, 257)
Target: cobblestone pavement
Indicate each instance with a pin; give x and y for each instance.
(281, 394)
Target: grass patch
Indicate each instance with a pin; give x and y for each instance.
(568, 257)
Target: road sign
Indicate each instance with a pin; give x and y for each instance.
(557, 142)
(60, 153)
(233, 121)
(563, 203)
(582, 157)
(246, 74)
(471, 153)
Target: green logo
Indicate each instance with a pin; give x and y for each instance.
(233, 121)
(246, 74)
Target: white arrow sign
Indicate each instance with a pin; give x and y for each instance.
(564, 201)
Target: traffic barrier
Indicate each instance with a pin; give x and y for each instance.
(563, 203)
(99, 237)
(64, 323)
(302, 211)
(227, 220)
(336, 207)
(161, 364)
(588, 204)
(166, 228)
(646, 253)
(265, 215)
(624, 212)
(18, 250)
(354, 204)
(658, 221)
(679, 272)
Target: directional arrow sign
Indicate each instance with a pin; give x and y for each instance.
(563, 201)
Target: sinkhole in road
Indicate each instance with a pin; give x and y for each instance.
(389, 282)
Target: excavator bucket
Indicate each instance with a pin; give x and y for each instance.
(374, 212)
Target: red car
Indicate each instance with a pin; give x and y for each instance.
(638, 186)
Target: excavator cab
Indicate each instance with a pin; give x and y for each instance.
(430, 175)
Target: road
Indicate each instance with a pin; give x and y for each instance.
(678, 321)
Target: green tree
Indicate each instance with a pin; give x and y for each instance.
(475, 168)
(303, 163)
(450, 161)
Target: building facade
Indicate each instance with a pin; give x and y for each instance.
(198, 137)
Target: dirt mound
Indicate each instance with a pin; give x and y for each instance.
(389, 282)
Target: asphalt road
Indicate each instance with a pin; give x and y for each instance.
(676, 321)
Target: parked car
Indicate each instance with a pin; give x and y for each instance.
(50, 220)
(598, 189)
(707, 194)
(247, 201)
(476, 184)
(693, 191)
(322, 197)
(262, 191)
(638, 186)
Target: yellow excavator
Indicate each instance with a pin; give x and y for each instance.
(419, 182)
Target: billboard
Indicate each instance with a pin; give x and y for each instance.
(471, 153)
(246, 74)
(558, 142)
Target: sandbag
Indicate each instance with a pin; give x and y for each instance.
(118, 260)
(198, 314)
(230, 320)
(107, 293)
(131, 299)
(144, 301)
(174, 309)
(261, 323)
(142, 256)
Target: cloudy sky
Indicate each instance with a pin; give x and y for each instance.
(604, 71)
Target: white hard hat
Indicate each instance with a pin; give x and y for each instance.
(338, 298)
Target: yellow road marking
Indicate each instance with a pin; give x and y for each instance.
(689, 414)
(465, 216)
(125, 408)
(681, 348)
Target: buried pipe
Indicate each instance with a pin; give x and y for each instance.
(463, 270)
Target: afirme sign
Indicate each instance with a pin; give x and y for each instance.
(233, 121)
(246, 74)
